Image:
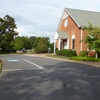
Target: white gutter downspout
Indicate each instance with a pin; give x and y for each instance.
(81, 39)
(59, 44)
(54, 46)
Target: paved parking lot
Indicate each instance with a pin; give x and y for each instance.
(40, 78)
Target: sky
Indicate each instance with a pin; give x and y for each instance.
(41, 17)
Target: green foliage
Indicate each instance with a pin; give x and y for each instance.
(66, 52)
(58, 52)
(51, 47)
(84, 59)
(98, 54)
(93, 37)
(22, 42)
(7, 32)
(32, 40)
(36, 42)
(42, 45)
(83, 54)
(77, 58)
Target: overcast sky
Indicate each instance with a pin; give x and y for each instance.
(41, 17)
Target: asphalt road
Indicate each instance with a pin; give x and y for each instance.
(40, 78)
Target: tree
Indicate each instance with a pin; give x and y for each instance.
(22, 42)
(32, 40)
(42, 45)
(93, 38)
(51, 47)
(36, 42)
(7, 32)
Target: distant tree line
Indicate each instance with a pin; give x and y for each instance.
(39, 44)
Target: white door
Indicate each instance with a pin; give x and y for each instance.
(65, 45)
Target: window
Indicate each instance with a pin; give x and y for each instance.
(73, 42)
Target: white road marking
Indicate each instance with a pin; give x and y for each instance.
(33, 64)
(19, 69)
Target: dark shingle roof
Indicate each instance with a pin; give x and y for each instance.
(82, 17)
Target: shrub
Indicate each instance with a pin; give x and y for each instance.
(98, 54)
(63, 52)
(58, 52)
(84, 59)
(83, 54)
(66, 52)
(70, 53)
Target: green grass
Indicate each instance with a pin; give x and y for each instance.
(85, 59)
(57, 56)
(76, 58)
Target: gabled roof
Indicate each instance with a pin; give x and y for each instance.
(61, 34)
(82, 17)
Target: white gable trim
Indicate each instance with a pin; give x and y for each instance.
(56, 36)
(64, 15)
(73, 19)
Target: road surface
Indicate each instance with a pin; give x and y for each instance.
(40, 78)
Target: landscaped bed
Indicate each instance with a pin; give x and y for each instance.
(77, 58)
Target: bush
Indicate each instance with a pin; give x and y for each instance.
(66, 52)
(70, 53)
(98, 54)
(58, 52)
(83, 54)
(84, 59)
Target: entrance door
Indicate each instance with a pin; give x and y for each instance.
(65, 45)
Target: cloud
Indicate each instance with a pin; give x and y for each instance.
(23, 20)
(41, 18)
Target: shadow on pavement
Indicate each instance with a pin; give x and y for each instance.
(63, 81)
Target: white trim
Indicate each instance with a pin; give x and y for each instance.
(62, 17)
(68, 43)
(54, 46)
(56, 36)
(59, 44)
(68, 14)
(60, 20)
(65, 15)
(72, 17)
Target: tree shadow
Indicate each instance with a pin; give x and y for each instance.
(61, 81)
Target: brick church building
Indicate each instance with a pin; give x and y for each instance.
(71, 31)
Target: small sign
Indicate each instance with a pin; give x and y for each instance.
(13, 60)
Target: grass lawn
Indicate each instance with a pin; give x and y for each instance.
(77, 58)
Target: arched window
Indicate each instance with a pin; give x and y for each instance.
(73, 42)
